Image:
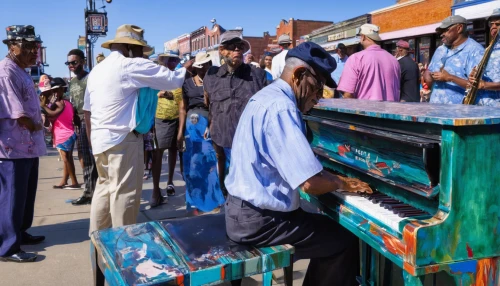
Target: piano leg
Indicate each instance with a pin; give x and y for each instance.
(413, 280)
(369, 275)
(99, 279)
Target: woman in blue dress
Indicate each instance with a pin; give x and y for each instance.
(203, 191)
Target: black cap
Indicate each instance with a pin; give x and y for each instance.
(57, 82)
(315, 56)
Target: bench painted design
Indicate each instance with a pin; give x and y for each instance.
(187, 251)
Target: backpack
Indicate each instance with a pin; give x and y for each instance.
(146, 109)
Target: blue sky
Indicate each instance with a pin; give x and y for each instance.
(60, 22)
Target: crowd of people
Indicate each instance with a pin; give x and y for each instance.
(235, 125)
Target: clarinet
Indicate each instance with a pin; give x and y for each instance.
(471, 92)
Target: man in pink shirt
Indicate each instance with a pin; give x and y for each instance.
(373, 73)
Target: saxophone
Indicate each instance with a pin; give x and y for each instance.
(471, 92)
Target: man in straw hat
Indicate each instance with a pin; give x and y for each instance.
(278, 65)
(21, 143)
(227, 90)
(373, 73)
(110, 109)
(490, 83)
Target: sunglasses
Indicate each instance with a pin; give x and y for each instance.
(30, 46)
(173, 60)
(73, 63)
(234, 46)
(319, 85)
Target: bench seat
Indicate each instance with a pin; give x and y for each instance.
(185, 251)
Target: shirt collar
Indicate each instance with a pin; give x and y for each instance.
(373, 47)
(223, 70)
(286, 89)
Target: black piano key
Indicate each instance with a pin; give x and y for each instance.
(407, 214)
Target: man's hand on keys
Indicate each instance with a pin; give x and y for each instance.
(352, 185)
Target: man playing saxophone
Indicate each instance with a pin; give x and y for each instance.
(490, 82)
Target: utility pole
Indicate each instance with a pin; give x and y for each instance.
(97, 24)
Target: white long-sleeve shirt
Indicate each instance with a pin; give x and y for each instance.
(112, 91)
(278, 64)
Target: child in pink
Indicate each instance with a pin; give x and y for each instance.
(61, 113)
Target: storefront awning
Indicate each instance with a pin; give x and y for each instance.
(415, 31)
(333, 45)
(477, 11)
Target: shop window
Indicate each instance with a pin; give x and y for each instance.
(424, 50)
(478, 31)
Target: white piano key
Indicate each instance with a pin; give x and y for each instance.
(374, 210)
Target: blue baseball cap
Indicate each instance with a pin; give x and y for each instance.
(319, 59)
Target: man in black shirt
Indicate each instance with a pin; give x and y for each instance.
(410, 74)
(227, 91)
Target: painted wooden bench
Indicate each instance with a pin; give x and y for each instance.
(183, 252)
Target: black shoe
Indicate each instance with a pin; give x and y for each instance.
(31, 239)
(19, 257)
(81, 201)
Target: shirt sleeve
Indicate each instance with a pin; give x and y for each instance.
(289, 149)
(275, 68)
(10, 103)
(349, 78)
(144, 73)
(475, 58)
(436, 63)
(86, 100)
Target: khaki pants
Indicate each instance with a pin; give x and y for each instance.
(117, 196)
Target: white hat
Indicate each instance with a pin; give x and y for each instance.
(201, 58)
(371, 31)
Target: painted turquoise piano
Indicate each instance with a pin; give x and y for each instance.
(435, 171)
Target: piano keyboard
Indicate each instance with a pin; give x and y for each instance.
(381, 207)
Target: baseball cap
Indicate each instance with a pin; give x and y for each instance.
(452, 20)
(371, 31)
(316, 57)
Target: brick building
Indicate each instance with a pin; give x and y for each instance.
(205, 39)
(414, 21)
(259, 44)
(184, 42)
(297, 28)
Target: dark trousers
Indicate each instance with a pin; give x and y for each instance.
(333, 251)
(18, 184)
(89, 168)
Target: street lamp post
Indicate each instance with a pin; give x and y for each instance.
(96, 30)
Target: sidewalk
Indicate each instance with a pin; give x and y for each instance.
(64, 257)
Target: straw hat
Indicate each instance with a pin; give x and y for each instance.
(201, 58)
(129, 34)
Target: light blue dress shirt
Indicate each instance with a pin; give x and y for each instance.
(492, 74)
(270, 156)
(458, 62)
(340, 67)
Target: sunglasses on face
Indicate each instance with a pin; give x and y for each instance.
(318, 83)
(173, 60)
(73, 63)
(30, 46)
(233, 46)
(496, 24)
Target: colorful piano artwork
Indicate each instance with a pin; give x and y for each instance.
(186, 251)
(435, 172)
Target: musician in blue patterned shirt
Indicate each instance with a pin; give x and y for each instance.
(452, 62)
(271, 158)
(490, 84)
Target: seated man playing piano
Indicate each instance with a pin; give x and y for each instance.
(271, 159)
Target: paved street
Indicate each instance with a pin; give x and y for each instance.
(64, 256)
